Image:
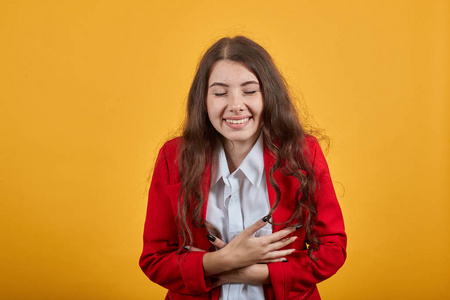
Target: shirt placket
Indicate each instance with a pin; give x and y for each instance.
(235, 224)
(234, 209)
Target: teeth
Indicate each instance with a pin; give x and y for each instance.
(241, 121)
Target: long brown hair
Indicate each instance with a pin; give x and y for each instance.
(283, 136)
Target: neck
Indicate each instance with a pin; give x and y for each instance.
(236, 153)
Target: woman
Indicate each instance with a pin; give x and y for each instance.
(241, 206)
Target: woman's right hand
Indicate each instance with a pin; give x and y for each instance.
(246, 249)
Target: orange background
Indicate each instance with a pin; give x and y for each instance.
(91, 89)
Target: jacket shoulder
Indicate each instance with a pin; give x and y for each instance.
(170, 147)
(310, 145)
(311, 140)
(167, 160)
(172, 143)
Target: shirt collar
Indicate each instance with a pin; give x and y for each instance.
(219, 167)
(252, 166)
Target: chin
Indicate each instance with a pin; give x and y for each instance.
(242, 138)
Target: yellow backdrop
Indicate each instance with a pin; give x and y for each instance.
(91, 89)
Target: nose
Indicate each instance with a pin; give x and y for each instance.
(236, 104)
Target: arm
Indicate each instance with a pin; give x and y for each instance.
(160, 261)
(301, 273)
(253, 274)
(245, 249)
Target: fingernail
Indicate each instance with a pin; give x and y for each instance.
(298, 227)
(264, 219)
(285, 260)
(211, 238)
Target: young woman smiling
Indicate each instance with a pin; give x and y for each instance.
(241, 206)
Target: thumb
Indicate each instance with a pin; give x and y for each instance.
(193, 249)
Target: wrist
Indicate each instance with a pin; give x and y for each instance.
(216, 262)
(253, 274)
(227, 260)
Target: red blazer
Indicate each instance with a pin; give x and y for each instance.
(182, 273)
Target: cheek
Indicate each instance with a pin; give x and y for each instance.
(211, 118)
(260, 107)
(209, 109)
(215, 110)
(214, 116)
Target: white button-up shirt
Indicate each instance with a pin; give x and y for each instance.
(235, 202)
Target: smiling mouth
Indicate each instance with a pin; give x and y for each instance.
(241, 121)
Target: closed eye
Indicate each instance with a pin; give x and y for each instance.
(220, 94)
(250, 92)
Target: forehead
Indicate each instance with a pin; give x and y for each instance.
(230, 72)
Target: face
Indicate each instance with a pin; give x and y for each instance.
(235, 103)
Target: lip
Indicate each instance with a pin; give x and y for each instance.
(237, 117)
(237, 126)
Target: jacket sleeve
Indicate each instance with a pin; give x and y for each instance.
(300, 275)
(160, 260)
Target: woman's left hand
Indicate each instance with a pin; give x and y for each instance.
(253, 274)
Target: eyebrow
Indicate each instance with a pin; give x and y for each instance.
(226, 85)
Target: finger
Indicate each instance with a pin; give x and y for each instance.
(218, 282)
(276, 236)
(278, 254)
(282, 243)
(216, 241)
(282, 259)
(250, 230)
(193, 249)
